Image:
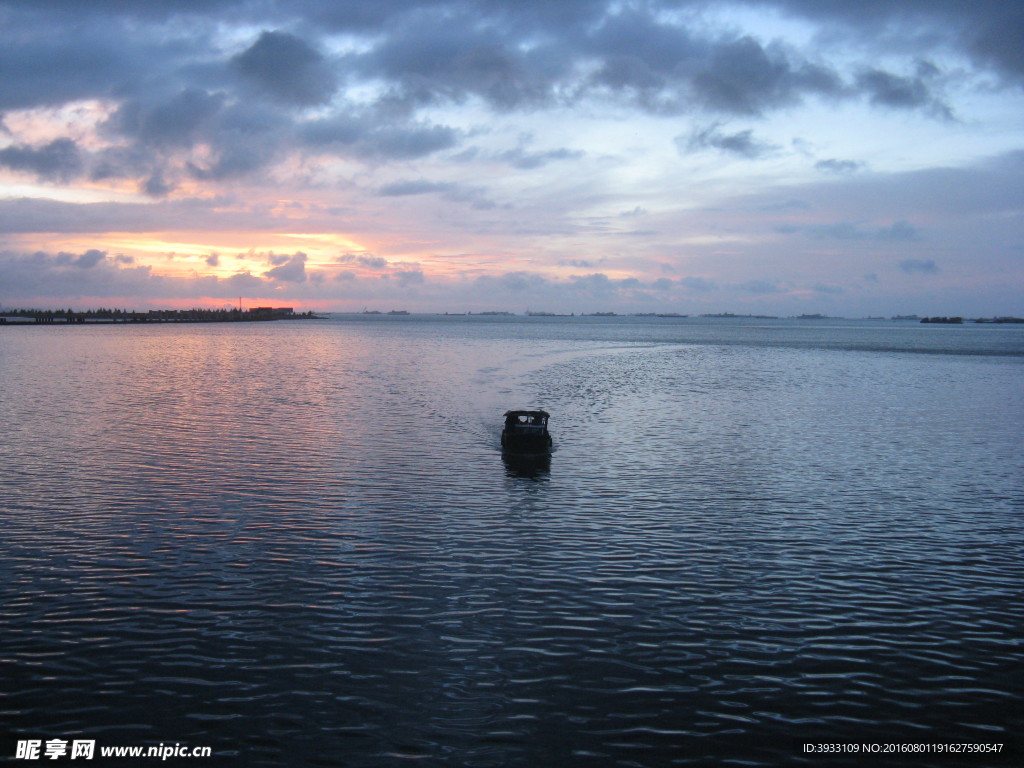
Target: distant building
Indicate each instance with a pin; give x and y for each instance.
(269, 312)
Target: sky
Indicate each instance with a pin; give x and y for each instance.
(843, 157)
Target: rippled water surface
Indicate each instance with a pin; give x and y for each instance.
(298, 543)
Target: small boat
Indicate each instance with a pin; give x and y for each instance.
(526, 433)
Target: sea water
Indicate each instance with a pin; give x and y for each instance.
(297, 543)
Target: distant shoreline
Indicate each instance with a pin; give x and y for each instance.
(35, 317)
(47, 317)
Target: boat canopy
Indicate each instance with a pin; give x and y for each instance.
(527, 417)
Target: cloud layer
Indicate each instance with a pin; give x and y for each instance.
(697, 154)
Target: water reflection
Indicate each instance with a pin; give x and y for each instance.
(295, 543)
(535, 467)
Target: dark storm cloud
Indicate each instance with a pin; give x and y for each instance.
(990, 31)
(124, 161)
(179, 120)
(511, 54)
(471, 49)
(1002, 44)
(644, 59)
(90, 259)
(60, 160)
(889, 90)
(291, 269)
(234, 161)
(743, 77)
(240, 138)
(668, 68)
(741, 143)
(38, 73)
(155, 186)
(457, 57)
(288, 69)
(245, 137)
(55, 52)
(237, 139)
(87, 260)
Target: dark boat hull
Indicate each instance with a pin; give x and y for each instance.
(526, 445)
